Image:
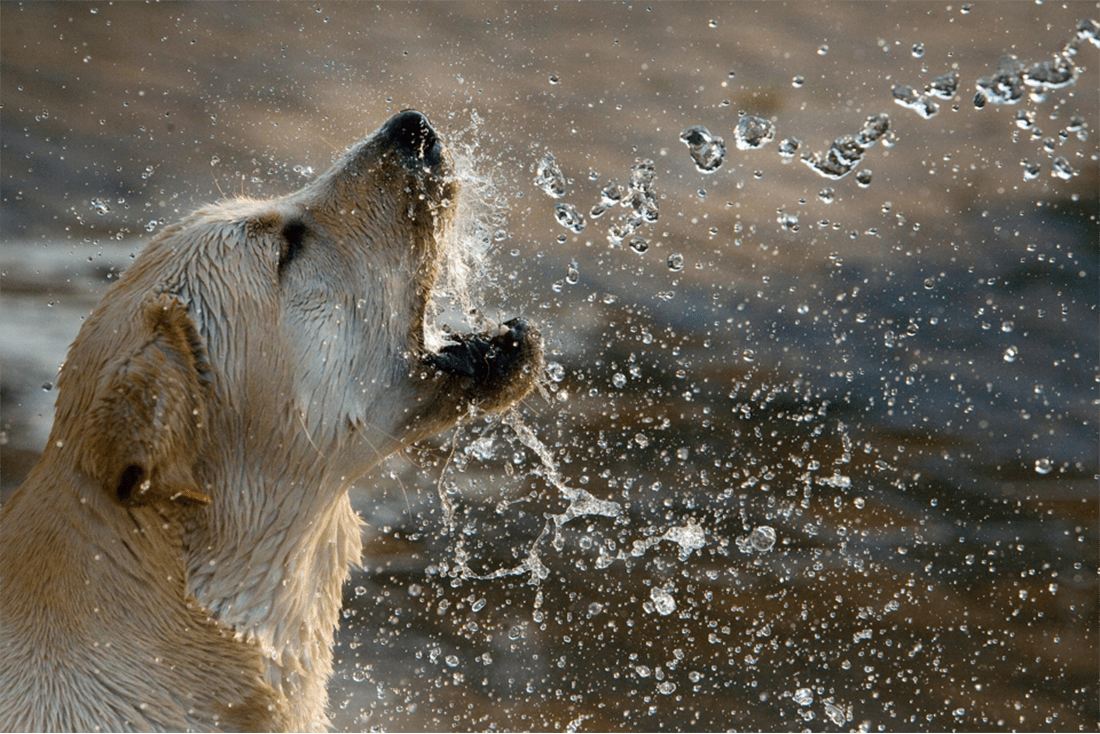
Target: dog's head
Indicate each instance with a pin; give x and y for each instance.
(276, 332)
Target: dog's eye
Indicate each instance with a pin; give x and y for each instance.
(293, 241)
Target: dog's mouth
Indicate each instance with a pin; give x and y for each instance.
(491, 369)
(484, 357)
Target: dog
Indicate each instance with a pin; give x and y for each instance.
(175, 559)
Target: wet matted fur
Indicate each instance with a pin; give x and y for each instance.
(175, 559)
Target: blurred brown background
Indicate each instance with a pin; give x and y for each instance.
(902, 386)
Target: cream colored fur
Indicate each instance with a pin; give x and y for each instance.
(175, 559)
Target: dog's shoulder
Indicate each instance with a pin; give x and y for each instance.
(98, 633)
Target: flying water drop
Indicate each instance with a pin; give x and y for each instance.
(548, 176)
(568, 217)
(753, 132)
(707, 151)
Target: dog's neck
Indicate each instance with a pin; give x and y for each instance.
(269, 562)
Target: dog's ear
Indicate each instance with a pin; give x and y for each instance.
(146, 425)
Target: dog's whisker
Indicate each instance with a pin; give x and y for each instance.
(305, 431)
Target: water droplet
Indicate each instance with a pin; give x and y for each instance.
(823, 49)
(100, 207)
(641, 440)
(797, 81)
(917, 50)
(753, 132)
(554, 79)
(1011, 354)
(555, 371)
(1051, 74)
(676, 262)
(929, 283)
(835, 713)
(944, 86)
(863, 178)
(788, 147)
(663, 602)
(568, 217)
(875, 128)
(837, 162)
(572, 275)
(1061, 168)
(762, 538)
(1006, 86)
(451, 660)
(707, 151)
(788, 222)
(548, 176)
(803, 696)
(617, 232)
(1031, 170)
(1043, 466)
(618, 380)
(689, 537)
(611, 193)
(827, 195)
(484, 448)
(639, 244)
(910, 98)
(1089, 30)
(642, 198)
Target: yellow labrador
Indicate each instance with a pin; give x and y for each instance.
(175, 559)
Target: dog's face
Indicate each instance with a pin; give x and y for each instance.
(288, 330)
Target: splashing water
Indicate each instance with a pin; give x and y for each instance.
(847, 151)
(762, 538)
(910, 98)
(638, 199)
(1051, 74)
(753, 132)
(581, 503)
(1006, 86)
(568, 217)
(944, 86)
(788, 147)
(690, 537)
(707, 151)
(548, 176)
(662, 602)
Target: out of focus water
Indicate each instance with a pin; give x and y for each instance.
(850, 423)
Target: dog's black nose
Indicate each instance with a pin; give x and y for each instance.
(410, 133)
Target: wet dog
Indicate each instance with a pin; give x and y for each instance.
(175, 559)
